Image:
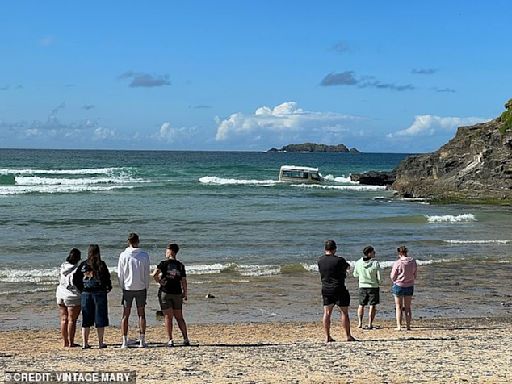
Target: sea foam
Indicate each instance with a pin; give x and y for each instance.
(214, 180)
(464, 218)
(82, 171)
(340, 179)
(55, 181)
(343, 187)
(478, 241)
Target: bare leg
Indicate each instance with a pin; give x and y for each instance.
(178, 314)
(327, 322)
(124, 320)
(345, 323)
(168, 315)
(408, 311)
(85, 337)
(360, 315)
(101, 332)
(371, 315)
(63, 312)
(398, 311)
(73, 313)
(141, 312)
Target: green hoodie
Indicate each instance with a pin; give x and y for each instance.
(368, 273)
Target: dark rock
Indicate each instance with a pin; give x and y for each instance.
(374, 178)
(475, 165)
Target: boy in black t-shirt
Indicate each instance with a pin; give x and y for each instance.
(333, 270)
(172, 277)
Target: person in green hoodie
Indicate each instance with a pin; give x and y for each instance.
(367, 269)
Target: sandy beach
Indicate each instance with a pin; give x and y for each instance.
(435, 351)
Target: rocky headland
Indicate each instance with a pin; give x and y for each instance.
(312, 147)
(476, 165)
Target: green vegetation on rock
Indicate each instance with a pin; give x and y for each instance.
(506, 118)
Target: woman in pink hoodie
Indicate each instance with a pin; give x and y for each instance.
(403, 275)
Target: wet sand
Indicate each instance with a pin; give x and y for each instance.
(434, 351)
(443, 290)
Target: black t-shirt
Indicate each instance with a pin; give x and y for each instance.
(333, 270)
(88, 280)
(172, 273)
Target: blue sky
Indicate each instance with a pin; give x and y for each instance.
(395, 76)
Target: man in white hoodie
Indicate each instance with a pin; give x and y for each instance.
(133, 271)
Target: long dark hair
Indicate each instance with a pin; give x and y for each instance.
(74, 256)
(94, 259)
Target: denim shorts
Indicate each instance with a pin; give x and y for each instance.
(402, 291)
(94, 309)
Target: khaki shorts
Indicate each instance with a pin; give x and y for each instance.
(170, 300)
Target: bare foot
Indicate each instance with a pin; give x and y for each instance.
(359, 325)
(330, 340)
(351, 338)
(398, 329)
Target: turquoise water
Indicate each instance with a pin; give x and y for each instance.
(225, 209)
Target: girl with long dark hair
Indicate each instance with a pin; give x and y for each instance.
(92, 278)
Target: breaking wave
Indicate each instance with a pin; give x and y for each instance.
(213, 180)
(464, 218)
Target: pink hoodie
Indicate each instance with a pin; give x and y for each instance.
(403, 272)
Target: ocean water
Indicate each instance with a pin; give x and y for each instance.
(227, 211)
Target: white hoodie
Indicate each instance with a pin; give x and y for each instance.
(66, 290)
(133, 269)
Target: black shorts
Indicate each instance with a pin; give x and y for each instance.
(139, 296)
(369, 296)
(340, 297)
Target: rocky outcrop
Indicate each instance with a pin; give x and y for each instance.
(374, 178)
(312, 147)
(475, 165)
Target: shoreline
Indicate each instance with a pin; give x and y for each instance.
(435, 350)
(440, 292)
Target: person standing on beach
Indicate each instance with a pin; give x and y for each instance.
(68, 298)
(403, 275)
(333, 271)
(172, 277)
(92, 278)
(368, 271)
(133, 273)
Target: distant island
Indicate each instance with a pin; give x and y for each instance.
(312, 147)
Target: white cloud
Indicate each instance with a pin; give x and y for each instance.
(285, 119)
(101, 133)
(171, 134)
(430, 125)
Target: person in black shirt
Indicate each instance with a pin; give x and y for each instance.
(333, 270)
(172, 277)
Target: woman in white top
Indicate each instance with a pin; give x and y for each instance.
(68, 298)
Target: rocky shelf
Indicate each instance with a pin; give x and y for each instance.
(476, 165)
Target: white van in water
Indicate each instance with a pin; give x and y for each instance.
(299, 174)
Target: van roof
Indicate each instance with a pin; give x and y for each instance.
(298, 168)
